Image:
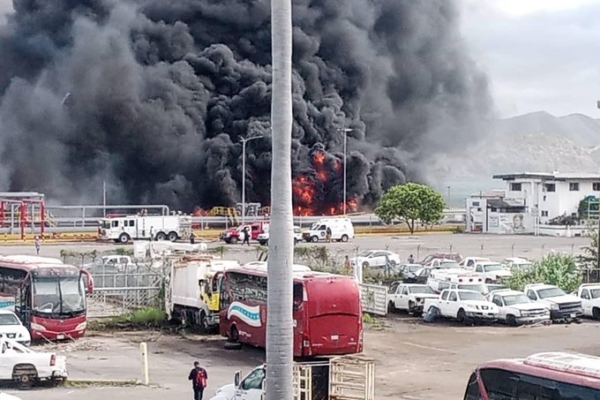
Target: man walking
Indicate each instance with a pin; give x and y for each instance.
(36, 243)
(246, 232)
(199, 378)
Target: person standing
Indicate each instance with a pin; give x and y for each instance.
(411, 259)
(192, 238)
(347, 265)
(328, 235)
(36, 243)
(246, 232)
(199, 378)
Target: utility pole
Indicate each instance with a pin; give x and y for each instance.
(345, 131)
(244, 141)
(104, 197)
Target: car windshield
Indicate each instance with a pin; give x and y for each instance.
(471, 296)
(365, 254)
(59, 296)
(449, 264)
(551, 292)
(9, 319)
(493, 267)
(475, 287)
(513, 299)
(421, 289)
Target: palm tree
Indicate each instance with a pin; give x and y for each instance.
(280, 339)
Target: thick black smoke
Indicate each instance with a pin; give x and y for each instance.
(153, 97)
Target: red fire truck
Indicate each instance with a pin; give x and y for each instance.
(554, 375)
(48, 296)
(327, 310)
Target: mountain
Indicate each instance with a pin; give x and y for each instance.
(536, 141)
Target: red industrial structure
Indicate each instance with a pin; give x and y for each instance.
(22, 209)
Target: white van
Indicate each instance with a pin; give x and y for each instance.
(341, 230)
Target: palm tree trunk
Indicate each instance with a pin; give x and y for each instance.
(280, 339)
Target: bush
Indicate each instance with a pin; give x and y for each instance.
(555, 269)
(144, 318)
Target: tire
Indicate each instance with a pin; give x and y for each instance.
(461, 316)
(511, 320)
(234, 335)
(314, 239)
(344, 238)
(161, 236)
(233, 240)
(391, 307)
(411, 306)
(264, 242)
(124, 238)
(25, 375)
(365, 264)
(596, 313)
(173, 236)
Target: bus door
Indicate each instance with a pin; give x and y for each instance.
(216, 287)
(301, 332)
(23, 299)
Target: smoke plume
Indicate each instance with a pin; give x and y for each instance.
(152, 97)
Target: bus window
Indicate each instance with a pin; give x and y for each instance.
(298, 295)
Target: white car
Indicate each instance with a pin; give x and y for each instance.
(375, 258)
(517, 264)
(562, 306)
(250, 388)
(462, 305)
(21, 364)
(515, 308)
(468, 262)
(443, 263)
(589, 293)
(491, 271)
(263, 238)
(12, 328)
(6, 396)
(409, 297)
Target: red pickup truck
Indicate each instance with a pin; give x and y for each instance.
(234, 235)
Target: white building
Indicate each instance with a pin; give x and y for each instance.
(492, 212)
(550, 195)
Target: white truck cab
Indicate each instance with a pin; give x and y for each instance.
(515, 264)
(263, 238)
(562, 306)
(409, 297)
(249, 388)
(491, 271)
(589, 294)
(462, 305)
(455, 279)
(341, 230)
(515, 308)
(469, 262)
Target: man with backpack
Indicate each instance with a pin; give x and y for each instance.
(199, 378)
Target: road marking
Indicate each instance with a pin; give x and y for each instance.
(428, 347)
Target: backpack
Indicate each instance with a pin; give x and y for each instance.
(201, 379)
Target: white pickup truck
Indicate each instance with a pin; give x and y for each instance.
(515, 308)
(562, 306)
(409, 297)
(263, 238)
(589, 294)
(462, 305)
(25, 366)
(491, 272)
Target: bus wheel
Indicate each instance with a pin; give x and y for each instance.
(234, 335)
(123, 238)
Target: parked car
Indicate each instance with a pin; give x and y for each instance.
(589, 293)
(409, 271)
(375, 259)
(491, 272)
(409, 297)
(562, 306)
(469, 262)
(517, 264)
(462, 305)
(263, 238)
(447, 256)
(490, 287)
(25, 366)
(443, 263)
(515, 308)
(11, 327)
(6, 396)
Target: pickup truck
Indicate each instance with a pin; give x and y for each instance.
(589, 293)
(263, 238)
(515, 308)
(469, 262)
(562, 306)
(491, 272)
(409, 297)
(462, 305)
(25, 366)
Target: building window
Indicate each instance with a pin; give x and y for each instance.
(544, 213)
(515, 187)
(475, 204)
(550, 187)
(574, 186)
(596, 186)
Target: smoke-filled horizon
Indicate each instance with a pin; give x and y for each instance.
(153, 97)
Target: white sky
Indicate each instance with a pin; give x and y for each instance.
(538, 54)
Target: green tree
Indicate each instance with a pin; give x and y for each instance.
(410, 203)
(554, 269)
(588, 207)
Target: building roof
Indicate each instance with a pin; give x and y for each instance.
(494, 193)
(551, 176)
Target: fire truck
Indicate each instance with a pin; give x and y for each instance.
(136, 227)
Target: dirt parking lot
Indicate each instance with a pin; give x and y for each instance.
(414, 360)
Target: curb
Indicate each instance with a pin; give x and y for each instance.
(101, 382)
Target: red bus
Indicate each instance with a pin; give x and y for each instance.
(327, 310)
(543, 376)
(48, 296)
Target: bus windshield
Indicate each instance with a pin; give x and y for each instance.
(501, 384)
(58, 296)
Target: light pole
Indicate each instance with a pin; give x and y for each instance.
(244, 140)
(345, 131)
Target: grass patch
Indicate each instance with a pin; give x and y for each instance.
(144, 318)
(98, 383)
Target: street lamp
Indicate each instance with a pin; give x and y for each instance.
(345, 131)
(244, 140)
